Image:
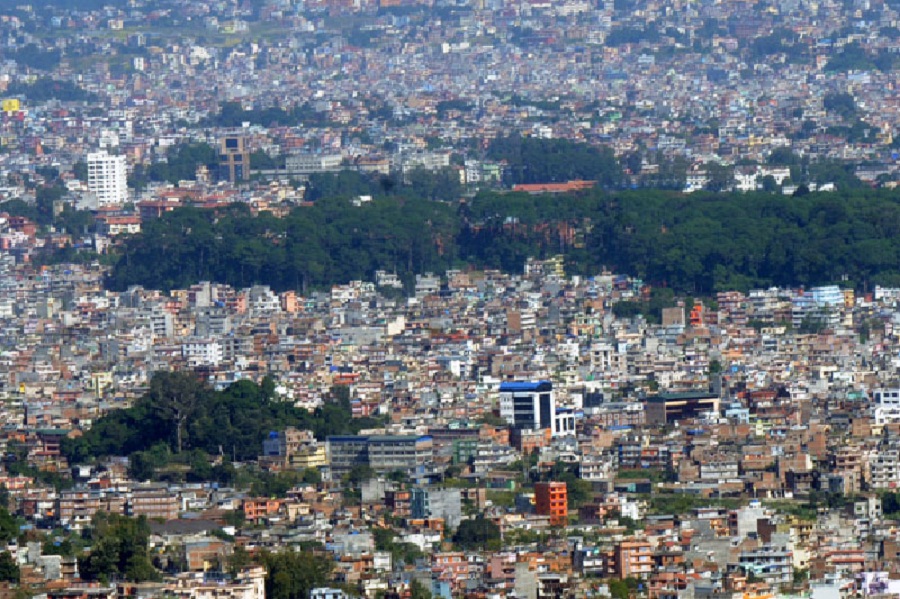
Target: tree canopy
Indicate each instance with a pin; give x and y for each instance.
(535, 160)
(478, 533)
(233, 421)
(312, 247)
(292, 574)
(697, 243)
(119, 550)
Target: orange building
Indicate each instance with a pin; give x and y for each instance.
(567, 187)
(633, 559)
(697, 315)
(254, 509)
(552, 499)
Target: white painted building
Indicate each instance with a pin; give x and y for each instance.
(107, 178)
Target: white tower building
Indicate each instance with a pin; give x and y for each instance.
(107, 178)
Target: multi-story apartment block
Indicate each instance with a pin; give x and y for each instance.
(775, 565)
(633, 559)
(382, 453)
(552, 499)
(107, 178)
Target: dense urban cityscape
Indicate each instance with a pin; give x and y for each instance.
(491, 299)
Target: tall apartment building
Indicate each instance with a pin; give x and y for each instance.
(234, 159)
(532, 406)
(107, 178)
(633, 559)
(552, 499)
(153, 502)
(887, 405)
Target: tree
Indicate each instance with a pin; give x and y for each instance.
(769, 184)
(417, 590)
(238, 560)
(398, 476)
(233, 421)
(721, 177)
(119, 550)
(311, 476)
(292, 574)
(783, 157)
(840, 103)
(384, 539)
(9, 528)
(79, 169)
(175, 397)
(142, 465)
(9, 569)
(802, 190)
(358, 474)
(479, 533)
(618, 589)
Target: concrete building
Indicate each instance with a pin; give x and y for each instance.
(436, 503)
(552, 499)
(633, 559)
(234, 159)
(774, 565)
(532, 406)
(308, 164)
(382, 453)
(667, 408)
(107, 178)
(327, 593)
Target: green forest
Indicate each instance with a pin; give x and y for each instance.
(696, 243)
(312, 247)
(182, 420)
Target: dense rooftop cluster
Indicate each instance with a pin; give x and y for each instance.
(472, 432)
(665, 85)
(746, 444)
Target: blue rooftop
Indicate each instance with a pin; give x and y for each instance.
(527, 386)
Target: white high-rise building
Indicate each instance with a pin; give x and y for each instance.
(107, 178)
(532, 406)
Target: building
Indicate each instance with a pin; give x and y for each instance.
(294, 448)
(774, 565)
(887, 405)
(382, 453)
(633, 559)
(817, 306)
(552, 499)
(202, 352)
(248, 584)
(75, 508)
(327, 593)
(118, 225)
(346, 452)
(527, 405)
(436, 503)
(532, 406)
(308, 164)
(107, 178)
(83, 592)
(667, 408)
(388, 453)
(234, 159)
(153, 502)
(261, 507)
